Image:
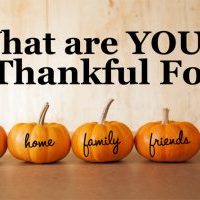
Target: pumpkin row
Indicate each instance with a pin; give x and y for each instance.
(104, 141)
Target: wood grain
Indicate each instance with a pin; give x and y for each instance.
(132, 178)
(73, 105)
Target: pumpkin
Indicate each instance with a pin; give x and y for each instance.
(3, 141)
(168, 141)
(39, 142)
(105, 141)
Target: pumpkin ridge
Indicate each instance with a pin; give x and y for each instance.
(30, 138)
(108, 128)
(151, 132)
(59, 131)
(142, 133)
(189, 126)
(37, 134)
(47, 138)
(87, 127)
(121, 131)
(28, 150)
(192, 126)
(179, 126)
(22, 128)
(90, 135)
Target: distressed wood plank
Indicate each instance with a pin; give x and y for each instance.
(73, 105)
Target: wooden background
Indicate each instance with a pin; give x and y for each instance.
(74, 105)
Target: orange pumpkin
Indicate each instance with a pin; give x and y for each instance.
(3, 141)
(102, 142)
(39, 143)
(168, 141)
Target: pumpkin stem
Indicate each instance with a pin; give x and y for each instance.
(43, 114)
(165, 116)
(105, 111)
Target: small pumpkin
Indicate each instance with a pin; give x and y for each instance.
(3, 141)
(39, 142)
(168, 141)
(104, 141)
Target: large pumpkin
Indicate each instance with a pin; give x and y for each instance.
(3, 141)
(39, 142)
(168, 141)
(102, 142)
